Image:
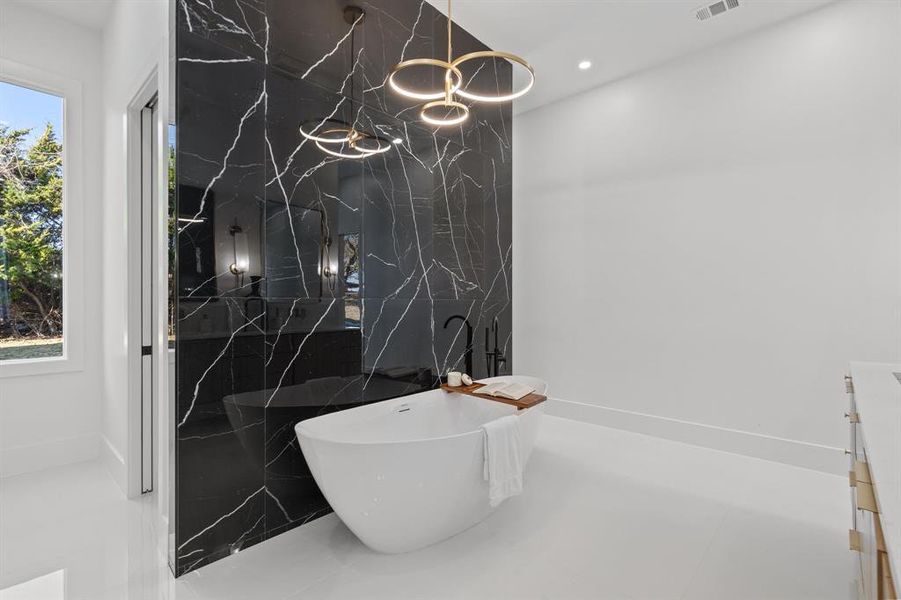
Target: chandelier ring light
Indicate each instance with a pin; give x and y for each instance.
(453, 80)
(381, 144)
(495, 54)
(461, 109)
(339, 153)
(312, 133)
(453, 75)
(354, 139)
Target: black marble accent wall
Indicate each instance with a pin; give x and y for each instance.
(308, 283)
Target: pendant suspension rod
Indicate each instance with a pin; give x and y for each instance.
(450, 55)
(353, 35)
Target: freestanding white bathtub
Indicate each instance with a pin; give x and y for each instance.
(407, 472)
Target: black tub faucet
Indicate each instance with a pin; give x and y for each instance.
(494, 358)
(468, 339)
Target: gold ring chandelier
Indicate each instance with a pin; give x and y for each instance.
(443, 109)
(342, 140)
(339, 138)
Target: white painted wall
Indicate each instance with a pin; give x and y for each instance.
(54, 419)
(711, 241)
(135, 43)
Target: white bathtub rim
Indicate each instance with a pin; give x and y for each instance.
(300, 430)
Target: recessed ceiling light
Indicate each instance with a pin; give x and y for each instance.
(585, 65)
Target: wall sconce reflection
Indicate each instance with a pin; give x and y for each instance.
(241, 254)
(328, 270)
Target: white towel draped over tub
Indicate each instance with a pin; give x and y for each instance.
(503, 458)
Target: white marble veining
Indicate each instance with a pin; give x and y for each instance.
(877, 393)
(606, 514)
(433, 216)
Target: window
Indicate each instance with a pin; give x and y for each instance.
(31, 223)
(42, 218)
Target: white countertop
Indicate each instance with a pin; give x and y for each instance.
(878, 396)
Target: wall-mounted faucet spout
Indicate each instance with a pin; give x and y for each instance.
(494, 358)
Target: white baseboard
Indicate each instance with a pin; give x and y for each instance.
(55, 453)
(793, 452)
(115, 463)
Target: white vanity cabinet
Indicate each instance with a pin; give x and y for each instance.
(874, 466)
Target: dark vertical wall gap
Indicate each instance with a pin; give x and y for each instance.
(346, 270)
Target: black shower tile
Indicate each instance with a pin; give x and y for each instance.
(352, 268)
(237, 25)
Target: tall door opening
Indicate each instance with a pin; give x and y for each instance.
(148, 268)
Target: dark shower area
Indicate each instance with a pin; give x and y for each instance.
(309, 283)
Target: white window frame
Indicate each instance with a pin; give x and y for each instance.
(74, 268)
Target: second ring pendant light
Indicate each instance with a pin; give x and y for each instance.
(339, 138)
(443, 109)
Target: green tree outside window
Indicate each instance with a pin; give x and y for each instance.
(31, 234)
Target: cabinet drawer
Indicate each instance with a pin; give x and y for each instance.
(862, 472)
(866, 498)
(886, 587)
(884, 584)
(869, 571)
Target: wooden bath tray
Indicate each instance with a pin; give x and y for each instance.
(472, 390)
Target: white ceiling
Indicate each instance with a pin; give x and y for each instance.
(92, 14)
(619, 37)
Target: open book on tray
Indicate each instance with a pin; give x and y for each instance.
(502, 389)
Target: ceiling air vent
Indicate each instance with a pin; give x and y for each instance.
(717, 8)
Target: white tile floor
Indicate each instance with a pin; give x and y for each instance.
(605, 514)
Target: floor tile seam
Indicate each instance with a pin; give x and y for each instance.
(702, 557)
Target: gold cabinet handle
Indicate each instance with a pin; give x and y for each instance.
(866, 499)
(862, 472)
(853, 417)
(854, 540)
(880, 538)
